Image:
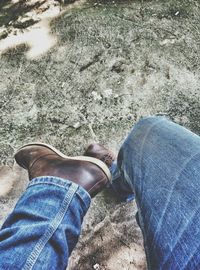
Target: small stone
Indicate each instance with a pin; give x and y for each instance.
(118, 66)
(96, 266)
(77, 125)
(107, 93)
(96, 96)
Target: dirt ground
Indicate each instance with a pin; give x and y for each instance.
(87, 71)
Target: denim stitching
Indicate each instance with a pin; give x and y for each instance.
(150, 126)
(63, 183)
(48, 183)
(32, 259)
(85, 198)
(49, 180)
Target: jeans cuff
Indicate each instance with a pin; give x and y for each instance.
(62, 183)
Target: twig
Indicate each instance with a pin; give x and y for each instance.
(93, 61)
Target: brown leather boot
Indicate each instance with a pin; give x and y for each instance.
(44, 160)
(100, 152)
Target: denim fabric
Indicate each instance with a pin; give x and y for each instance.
(119, 184)
(45, 225)
(160, 162)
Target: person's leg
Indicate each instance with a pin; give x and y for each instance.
(44, 227)
(160, 163)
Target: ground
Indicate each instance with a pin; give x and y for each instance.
(87, 71)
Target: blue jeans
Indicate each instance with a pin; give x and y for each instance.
(159, 161)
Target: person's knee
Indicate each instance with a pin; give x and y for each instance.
(150, 120)
(141, 127)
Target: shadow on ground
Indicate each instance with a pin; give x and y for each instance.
(11, 12)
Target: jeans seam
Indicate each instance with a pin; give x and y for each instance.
(54, 184)
(152, 125)
(32, 259)
(78, 193)
(82, 199)
(50, 180)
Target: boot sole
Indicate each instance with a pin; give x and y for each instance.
(95, 161)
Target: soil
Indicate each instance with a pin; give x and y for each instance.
(80, 72)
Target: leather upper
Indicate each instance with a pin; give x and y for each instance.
(42, 161)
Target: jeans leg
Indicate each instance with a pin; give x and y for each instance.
(44, 227)
(160, 162)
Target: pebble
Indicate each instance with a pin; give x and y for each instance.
(96, 266)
